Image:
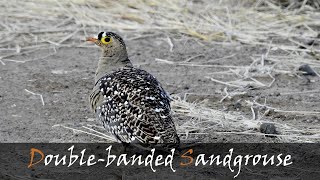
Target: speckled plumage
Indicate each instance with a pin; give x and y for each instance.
(131, 104)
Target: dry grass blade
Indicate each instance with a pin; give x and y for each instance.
(203, 119)
(91, 132)
(36, 94)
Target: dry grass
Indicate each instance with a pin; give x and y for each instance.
(55, 22)
(203, 119)
(30, 26)
(199, 119)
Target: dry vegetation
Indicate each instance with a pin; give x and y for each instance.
(292, 26)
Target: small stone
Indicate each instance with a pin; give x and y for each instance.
(276, 94)
(307, 70)
(237, 105)
(90, 119)
(268, 128)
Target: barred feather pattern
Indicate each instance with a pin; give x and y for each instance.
(132, 105)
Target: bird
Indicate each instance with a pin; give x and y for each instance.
(130, 103)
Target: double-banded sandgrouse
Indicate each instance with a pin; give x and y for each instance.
(130, 102)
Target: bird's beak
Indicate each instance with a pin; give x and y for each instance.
(92, 39)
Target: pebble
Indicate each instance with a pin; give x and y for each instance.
(307, 70)
(237, 105)
(268, 128)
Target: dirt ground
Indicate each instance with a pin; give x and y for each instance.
(65, 79)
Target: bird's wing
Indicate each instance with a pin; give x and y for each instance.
(134, 107)
(95, 98)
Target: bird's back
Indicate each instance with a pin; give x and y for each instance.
(134, 107)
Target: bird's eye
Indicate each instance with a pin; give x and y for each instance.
(106, 40)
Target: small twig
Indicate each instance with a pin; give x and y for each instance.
(225, 90)
(16, 61)
(36, 94)
(209, 66)
(282, 111)
(63, 22)
(299, 92)
(253, 113)
(193, 57)
(18, 48)
(96, 126)
(221, 82)
(170, 43)
(110, 137)
(81, 131)
(69, 36)
(303, 5)
(141, 37)
(268, 51)
(257, 82)
(262, 134)
(298, 43)
(187, 133)
(197, 65)
(19, 61)
(264, 114)
(297, 112)
(51, 42)
(2, 62)
(16, 54)
(265, 56)
(164, 61)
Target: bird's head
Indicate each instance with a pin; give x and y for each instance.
(109, 42)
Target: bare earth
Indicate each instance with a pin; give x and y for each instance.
(65, 78)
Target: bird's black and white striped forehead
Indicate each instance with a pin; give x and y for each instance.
(111, 34)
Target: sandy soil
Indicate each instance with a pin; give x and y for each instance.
(65, 79)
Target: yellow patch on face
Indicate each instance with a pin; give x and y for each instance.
(106, 40)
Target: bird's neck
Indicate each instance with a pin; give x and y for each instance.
(108, 64)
